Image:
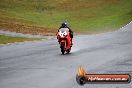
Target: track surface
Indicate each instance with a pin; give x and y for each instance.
(39, 64)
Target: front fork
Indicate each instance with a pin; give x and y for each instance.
(63, 44)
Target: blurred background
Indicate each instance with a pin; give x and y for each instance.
(45, 16)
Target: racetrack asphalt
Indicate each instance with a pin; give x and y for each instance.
(39, 64)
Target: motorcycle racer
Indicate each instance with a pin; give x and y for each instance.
(64, 25)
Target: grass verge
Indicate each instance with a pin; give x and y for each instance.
(45, 16)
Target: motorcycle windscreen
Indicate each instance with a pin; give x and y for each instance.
(64, 29)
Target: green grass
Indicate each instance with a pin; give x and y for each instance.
(91, 16)
(10, 39)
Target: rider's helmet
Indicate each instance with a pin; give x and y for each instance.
(64, 24)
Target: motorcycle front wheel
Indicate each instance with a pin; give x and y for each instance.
(62, 49)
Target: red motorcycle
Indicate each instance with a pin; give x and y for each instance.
(64, 40)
